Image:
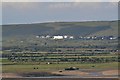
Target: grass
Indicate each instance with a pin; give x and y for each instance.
(81, 56)
(51, 67)
(22, 67)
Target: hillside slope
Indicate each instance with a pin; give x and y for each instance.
(99, 28)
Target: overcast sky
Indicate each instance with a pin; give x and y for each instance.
(38, 12)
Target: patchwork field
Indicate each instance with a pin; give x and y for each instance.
(26, 56)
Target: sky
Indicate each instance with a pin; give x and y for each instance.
(24, 12)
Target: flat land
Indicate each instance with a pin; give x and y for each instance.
(103, 70)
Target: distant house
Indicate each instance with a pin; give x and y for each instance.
(65, 36)
(42, 37)
(58, 37)
(71, 37)
(37, 36)
(47, 36)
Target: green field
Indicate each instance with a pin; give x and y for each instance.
(21, 67)
(49, 67)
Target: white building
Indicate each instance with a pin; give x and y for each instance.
(71, 37)
(65, 36)
(37, 36)
(42, 37)
(47, 36)
(58, 37)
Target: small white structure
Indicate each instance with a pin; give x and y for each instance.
(42, 37)
(111, 38)
(80, 37)
(47, 36)
(88, 37)
(114, 37)
(65, 37)
(71, 37)
(37, 36)
(58, 37)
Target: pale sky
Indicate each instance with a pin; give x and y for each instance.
(38, 12)
(60, 0)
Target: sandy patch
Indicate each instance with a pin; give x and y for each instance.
(72, 73)
(10, 75)
(110, 72)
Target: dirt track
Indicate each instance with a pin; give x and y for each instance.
(110, 72)
(62, 79)
(107, 75)
(72, 73)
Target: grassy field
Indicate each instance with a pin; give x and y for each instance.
(9, 66)
(17, 68)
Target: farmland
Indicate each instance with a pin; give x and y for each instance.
(52, 59)
(43, 57)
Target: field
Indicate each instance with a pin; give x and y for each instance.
(34, 69)
(25, 55)
(51, 61)
(48, 67)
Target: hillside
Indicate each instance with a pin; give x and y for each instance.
(99, 28)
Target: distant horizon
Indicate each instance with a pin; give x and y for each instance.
(59, 22)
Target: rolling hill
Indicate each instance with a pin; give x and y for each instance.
(12, 35)
(92, 28)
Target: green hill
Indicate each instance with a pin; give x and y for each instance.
(99, 28)
(14, 34)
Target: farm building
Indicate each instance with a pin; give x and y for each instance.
(58, 37)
